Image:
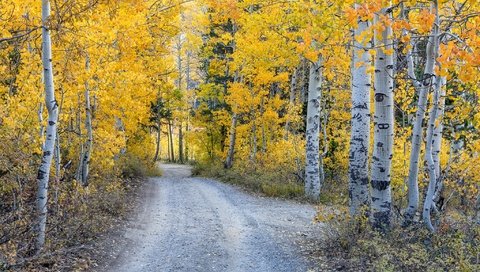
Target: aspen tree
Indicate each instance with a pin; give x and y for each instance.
(429, 157)
(312, 133)
(88, 125)
(422, 86)
(51, 131)
(383, 123)
(358, 174)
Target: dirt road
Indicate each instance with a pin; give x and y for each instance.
(196, 224)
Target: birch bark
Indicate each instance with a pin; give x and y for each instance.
(360, 122)
(88, 125)
(312, 174)
(422, 87)
(51, 132)
(383, 125)
(428, 203)
(437, 135)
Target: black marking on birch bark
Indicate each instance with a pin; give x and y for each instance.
(389, 66)
(386, 205)
(381, 169)
(375, 158)
(383, 126)
(358, 139)
(380, 144)
(51, 123)
(361, 106)
(40, 174)
(380, 184)
(47, 153)
(379, 97)
(364, 181)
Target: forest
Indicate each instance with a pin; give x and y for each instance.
(365, 110)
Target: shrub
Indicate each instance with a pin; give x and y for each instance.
(454, 247)
(133, 166)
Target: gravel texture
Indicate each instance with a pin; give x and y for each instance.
(195, 224)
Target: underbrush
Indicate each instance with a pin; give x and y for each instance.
(133, 166)
(351, 245)
(279, 183)
(77, 217)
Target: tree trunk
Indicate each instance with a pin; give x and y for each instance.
(360, 132)
(52, 108)
(432, 176)
(180, 143)
(254, 140)
(170, 133)
(383, 127)
(42, 127)
(88, 125)
(231, 147)
(437, 135)
(58, 161)
(187, 148)
(429, 156)
(293, 88)
(422, 87)
(159, 133)
(312, 162)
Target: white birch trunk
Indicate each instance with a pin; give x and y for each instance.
(170, 132)
(432, 176)
(383, 127)
(422, 87)
(437, 135)
(180, 143)
(58, 161)
(51, 133)
(428, 204)
(42, 127)
(88, 125)
(360, 123)
(312, 150)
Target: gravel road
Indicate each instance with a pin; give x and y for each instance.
(196, 224)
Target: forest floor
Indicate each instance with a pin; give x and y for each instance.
(186, 223)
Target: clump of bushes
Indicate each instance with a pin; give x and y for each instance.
(454, 247)
(252, 177)
(133, 166)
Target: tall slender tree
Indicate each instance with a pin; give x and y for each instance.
(312, 167)
(429, 154)
(422, 86)
(358, 174)
(383, 122)
(51, 132)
